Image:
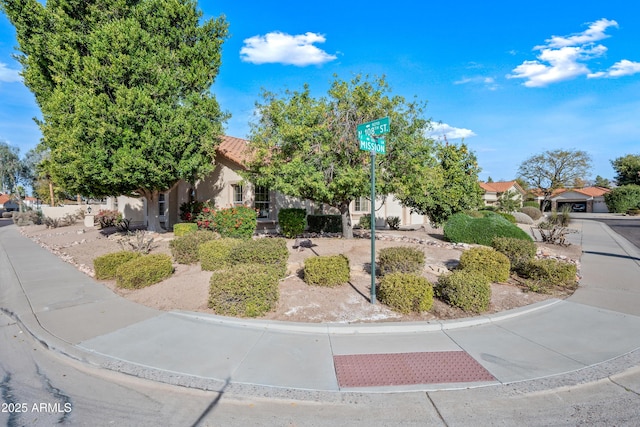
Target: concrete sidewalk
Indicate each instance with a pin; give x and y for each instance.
(73, 314)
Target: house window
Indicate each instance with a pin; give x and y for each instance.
(162, 204)
(362, 205)
(262, 202)
(238, 198)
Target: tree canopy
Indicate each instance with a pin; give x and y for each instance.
(11, 168)
(124, 89)
(555, 169)
(453, 185)
(307, 147)
(627, 169)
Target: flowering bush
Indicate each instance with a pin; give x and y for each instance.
(206, 218)
(108, 218)
(189, 211)
(239, 221)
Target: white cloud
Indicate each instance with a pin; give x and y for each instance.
(277, 47)
(619, 69)
(563, 58)
(443, 130)
(488, 82)
(7, 75)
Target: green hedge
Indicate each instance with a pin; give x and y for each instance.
(292, 221)
(401, 259)
(551, 272)
(327, 270)
(406, 292)
(518, 251)
(324, 223)
(184, 249)
(184, 228)
(623, 198)
(461, 228)
(105, 266)
(267, 251)
(215, 254)
(144, 271)
(245, 290)
(468, 290)
(494, 265)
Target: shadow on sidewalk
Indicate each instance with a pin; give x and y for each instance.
(610, 254)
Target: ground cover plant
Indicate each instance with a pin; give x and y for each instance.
(461, 228)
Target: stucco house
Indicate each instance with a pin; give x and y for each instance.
(587, 199)
(225, 187)
(494, 190)
(8, 204)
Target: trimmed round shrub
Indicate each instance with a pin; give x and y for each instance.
(522, 218)
(143, 271)
(267, 251)
(292, 221)
(461, 228)
(215, 254)
(238, 221)
(406, 292)
(494, 265)
(551, 272)
(400, 259)
(327, 271)
(468, 290)
(184, 228)
(532, 212)
(105, 266)
(248, 290)
(184, 249)
(518, 251)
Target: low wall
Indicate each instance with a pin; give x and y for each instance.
(61, 211)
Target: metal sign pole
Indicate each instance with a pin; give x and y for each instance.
(373, 226)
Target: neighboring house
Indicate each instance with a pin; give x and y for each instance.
(8, 204)
(494, 190)
(225, 187)
(587, 199)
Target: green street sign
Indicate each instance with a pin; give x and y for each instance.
(370, 135)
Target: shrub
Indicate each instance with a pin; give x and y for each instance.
(531, 204)
(247, 290)
(507, 216)
(189, 211)
(105, 266)
(214, 254)
(22, 219)
(292, 221)
(533, 212)
(393, 222)
(140, 241)
(493, 264)
(365, 221)
(206, 218)
(7, 215)
(468, 290)
(324, 223)
(184, 249)
(518, 251)
(551, 272)
(108, 218)
(144, 271)
(400, 259)
(522, 218)
(406, 292)
(239, 222)
(327, 270)
(623, 198)
(184, 228)
(461, 228)
(271, 252)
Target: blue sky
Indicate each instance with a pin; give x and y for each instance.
(511, 78)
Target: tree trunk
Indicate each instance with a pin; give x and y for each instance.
(51, 198)
(153, 213)
(347, 227)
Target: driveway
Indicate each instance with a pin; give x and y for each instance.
(626, 226)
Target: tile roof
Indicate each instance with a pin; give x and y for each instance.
(234, 149)
(4, 198)
(498, 187)
(587, 191)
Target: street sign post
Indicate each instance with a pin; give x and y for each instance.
(371, 137)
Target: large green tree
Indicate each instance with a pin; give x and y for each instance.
(11, 168)
(554, 169)
(124, 89)
(453, 185)
(307, 147)
(627, 169)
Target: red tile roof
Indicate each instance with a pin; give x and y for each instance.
(4, 198)
(587, 191)
(498, 187)
(234, 149)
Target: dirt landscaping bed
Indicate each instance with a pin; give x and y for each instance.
(187, 289)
